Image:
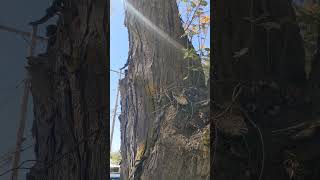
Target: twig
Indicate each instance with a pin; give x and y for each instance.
(293, 127)
(261, 138)
(193, 15)
(230, 105)
(53, 162)
(18, 167)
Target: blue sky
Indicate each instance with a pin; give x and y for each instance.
(13, 50)
(118, 57)
(119, 52)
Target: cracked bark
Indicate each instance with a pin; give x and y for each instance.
(156, 71)
(69, 89)
(273, 100)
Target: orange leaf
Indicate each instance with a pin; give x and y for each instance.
(205, 19)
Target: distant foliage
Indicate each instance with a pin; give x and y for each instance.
(195, 16)
(115, 157)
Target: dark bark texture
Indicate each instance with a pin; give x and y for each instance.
(69, 89)
(164, 121)
(264, 123)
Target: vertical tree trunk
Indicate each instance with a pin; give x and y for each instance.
(69, 89)
(157, 138)
(265, 128)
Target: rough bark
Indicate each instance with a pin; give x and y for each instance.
(270, 129)
(160, 138)
(69, 89)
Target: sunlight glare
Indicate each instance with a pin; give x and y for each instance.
(152, 26)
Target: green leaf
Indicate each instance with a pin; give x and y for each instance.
(199, 12)
(193, 4)
(204, 3)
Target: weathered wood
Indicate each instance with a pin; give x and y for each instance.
(156, 142)
(22, 33)
(24, 104)
(271, 99)
(69, 90)
(20, 132)
(115, 111)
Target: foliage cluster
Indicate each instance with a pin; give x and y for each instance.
(195, 16)
(115, 157)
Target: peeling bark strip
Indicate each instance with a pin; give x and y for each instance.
(157, 139)
(69, 89)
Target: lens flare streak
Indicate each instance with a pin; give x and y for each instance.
(131, 9)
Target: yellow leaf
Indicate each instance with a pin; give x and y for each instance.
(205, 19)
(140, 151)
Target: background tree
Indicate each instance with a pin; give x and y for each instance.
(115, 157)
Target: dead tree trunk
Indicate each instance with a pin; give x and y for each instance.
(69, 89)
(160, 98)
(264, 125)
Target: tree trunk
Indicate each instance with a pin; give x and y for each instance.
(264, 125)
(160, 98)
(69, 89)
